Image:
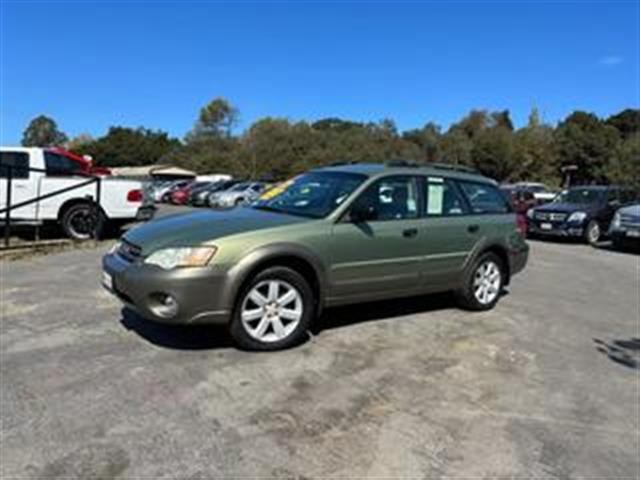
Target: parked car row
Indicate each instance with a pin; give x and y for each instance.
(224, 193)
(590, 213)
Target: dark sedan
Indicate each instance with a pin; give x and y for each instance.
(580, 212)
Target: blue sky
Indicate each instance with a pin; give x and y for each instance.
(93, 64)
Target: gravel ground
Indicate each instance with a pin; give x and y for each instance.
(546, 385)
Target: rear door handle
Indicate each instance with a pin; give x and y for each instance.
(410, 232)
(473, 228)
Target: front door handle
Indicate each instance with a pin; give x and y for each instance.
(473, 228)
(410, 232)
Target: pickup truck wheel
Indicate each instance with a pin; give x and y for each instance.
(78, 222)
(592, 233)
(483, 285)
(273, 311)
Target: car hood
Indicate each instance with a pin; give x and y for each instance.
(631, 210)
(567, 207)
(195, 228)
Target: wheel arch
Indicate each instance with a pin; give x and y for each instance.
(500, 250)
(296, 257)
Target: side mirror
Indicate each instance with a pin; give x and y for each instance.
(361, 213)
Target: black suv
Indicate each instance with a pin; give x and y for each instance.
(580, 212)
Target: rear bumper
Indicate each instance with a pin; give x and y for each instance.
(198, 292)
(146, 212)
(518, 259)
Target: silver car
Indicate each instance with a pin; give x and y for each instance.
(239, 194)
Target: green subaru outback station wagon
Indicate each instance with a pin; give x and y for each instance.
(332, 236)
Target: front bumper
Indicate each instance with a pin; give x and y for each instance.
(556, 229)
(626, 235)
(199, 292)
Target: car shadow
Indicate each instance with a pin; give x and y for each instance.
(622, 352)
(179, 337)
(208, 337)
(622, 250)
(339, 317)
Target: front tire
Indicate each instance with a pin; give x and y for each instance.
(483, 285)
(592, 233)
(273, 311)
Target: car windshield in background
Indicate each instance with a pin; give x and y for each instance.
(582, 196)
(239, 187)
(310, 195)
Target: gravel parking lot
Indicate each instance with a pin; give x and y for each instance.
(546, 385)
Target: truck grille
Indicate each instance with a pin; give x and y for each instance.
(551, 216)
(129, 251)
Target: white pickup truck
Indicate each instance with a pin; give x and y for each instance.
(121, 201)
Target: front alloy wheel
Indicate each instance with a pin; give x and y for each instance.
(593, 232)
(273, 311)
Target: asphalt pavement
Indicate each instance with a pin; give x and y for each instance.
(546, 385)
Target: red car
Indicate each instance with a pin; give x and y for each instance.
(180, 196)
(85, 163)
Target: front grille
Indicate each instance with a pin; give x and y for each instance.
(551, 216)
(129, 251)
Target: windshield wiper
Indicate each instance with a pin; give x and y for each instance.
(267, 208)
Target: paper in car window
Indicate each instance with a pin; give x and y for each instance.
(277, 190)
(434, 201)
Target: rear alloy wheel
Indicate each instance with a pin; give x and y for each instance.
(79, 222)
(274, 310)
(592, 233)
(483, 285)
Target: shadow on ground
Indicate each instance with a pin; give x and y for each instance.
(206, 337)
(623, 352)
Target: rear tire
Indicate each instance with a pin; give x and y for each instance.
(273, 311)
(483, 284)
(78, 222)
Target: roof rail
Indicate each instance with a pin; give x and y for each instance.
(452, 166)
(340, 163)
(401, 163)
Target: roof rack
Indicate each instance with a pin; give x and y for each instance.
(401, 163)
(452, 166)
(341, 163)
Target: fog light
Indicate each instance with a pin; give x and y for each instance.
(164, 305)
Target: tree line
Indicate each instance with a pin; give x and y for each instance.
(602, 150)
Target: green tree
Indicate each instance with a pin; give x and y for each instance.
(627, 122)
(534, 155)
(582, 139)
(123, 146)
(216, 119)
(428, 140)
(624, 166)
(43, 132)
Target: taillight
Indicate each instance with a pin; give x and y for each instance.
(134, 196)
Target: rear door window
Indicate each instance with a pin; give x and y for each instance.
(18, 162)
(484, 198)
(443, 198)
(57, 165)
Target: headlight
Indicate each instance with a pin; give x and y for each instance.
(616, 220)
(115, 248)
(530, 213)
(169, 258)
(577, 217)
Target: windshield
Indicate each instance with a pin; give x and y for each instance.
(313, 195)
(239, 187)
(582, 196)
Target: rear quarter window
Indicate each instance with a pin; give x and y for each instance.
(484, 198)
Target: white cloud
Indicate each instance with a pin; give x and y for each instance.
(610, 60)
